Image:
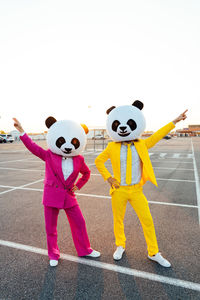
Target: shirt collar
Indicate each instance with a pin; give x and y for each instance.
(128, 143)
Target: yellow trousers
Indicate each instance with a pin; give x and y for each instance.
(138, 201)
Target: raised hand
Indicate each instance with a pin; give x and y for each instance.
(17, 125)
(180, 117)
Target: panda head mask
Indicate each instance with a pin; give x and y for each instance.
(66, 138)
(126, 122)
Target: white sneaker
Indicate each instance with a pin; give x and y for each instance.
(161, 260)
(94, 254)
(53, 262)
(118, 253)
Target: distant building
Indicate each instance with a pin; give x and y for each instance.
(97, 131)
(147, 133)
(192, 130)
(34, 136)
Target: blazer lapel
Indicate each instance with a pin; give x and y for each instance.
(117, 153)
(75, 163)
(57, 166)
(138, 147)
(72, 177)
(143, 153)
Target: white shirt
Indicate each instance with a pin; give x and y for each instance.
(67, 166)
(136, 165)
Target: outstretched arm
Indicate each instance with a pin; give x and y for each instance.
(158, 135)
(30, 145)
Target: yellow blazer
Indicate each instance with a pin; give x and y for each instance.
(112, 152)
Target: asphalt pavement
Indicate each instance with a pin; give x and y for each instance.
(175, 207)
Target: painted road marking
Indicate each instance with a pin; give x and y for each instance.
(18, 169)
(172, 162)
(95, 196)
(161, 179)
(110, 267)
(162, 155)
(176, 155)
(177, 169)
(152, 202)
(20, 187)
(8, 161)
(170, 179)
(42, 170)
(181, 155)
(87, 153)
(196, 181)
(12, 151)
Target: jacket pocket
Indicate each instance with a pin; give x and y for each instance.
(112, 189)
(49, 183)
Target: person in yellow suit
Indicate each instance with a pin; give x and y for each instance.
(131, 168)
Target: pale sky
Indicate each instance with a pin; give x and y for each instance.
(59, 57)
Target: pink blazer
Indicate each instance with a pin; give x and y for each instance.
(57, 190)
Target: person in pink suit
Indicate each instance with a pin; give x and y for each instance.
(65, 139)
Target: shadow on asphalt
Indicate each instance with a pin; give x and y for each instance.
(47, 291)
(89, 286)
(128, 284)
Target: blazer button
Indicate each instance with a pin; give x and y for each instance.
(65, 188)
(56, 185)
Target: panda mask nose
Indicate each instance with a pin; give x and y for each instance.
(68, 150)
(123, 128)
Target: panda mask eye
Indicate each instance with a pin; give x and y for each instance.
(132, 124)
(60, 141)
(75, 142)
(115, 125)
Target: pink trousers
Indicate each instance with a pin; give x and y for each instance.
(78, 229)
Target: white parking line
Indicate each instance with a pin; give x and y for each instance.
(18, 169)
(12, 151)
(110, 267)
(176, 155)
(87, 153)
(12, 188)
(162, 155)
(171, 155)
(42, 170)
(161, 179)
(8, 161)
(177, 169)
(19, 187)
(196, 181)
(93, 196)
(152, 202)
(171, 179)
(172, 162)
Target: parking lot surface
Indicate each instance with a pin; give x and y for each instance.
(175, 207)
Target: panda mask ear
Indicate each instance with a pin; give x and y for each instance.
(138, 104)
(110, 109)
(50, 121)
(85, 128)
